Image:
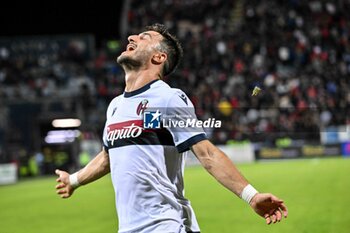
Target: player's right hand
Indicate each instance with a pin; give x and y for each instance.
(64, 189)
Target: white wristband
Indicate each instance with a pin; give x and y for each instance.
(248, 193)
(73, 180)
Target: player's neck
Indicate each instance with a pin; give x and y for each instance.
(136, 79)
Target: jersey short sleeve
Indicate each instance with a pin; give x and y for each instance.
(181, 122)
(109, 113)
(104, 139)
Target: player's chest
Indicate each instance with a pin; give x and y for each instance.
(132, 109)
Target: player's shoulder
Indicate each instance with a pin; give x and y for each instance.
(168, 91)
(114, 103)
(116, 99)
(177, 97)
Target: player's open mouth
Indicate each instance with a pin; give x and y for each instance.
(130, 47)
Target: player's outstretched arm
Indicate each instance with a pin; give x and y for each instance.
(222, 168)
(94, 170)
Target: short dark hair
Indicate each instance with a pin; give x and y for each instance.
(169, 45)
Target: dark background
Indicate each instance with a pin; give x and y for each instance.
(100, 18)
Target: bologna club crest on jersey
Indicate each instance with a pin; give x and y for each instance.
(142, 107)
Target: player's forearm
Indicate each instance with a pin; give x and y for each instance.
(220, 166)
(95, 169)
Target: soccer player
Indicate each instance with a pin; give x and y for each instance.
(147, 165)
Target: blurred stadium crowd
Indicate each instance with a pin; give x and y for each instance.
(297, 51)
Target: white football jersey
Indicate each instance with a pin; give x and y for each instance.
(147, 159)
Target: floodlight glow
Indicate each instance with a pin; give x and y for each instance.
(61, 136)
(66, 123)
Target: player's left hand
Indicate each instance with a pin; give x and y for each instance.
(64, 188)
(269, 207)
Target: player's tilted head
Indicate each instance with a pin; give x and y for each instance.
(169, 45)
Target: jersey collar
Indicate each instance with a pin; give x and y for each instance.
(140, 90)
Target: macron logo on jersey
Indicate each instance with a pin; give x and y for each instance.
(151, 119)
(184, 99)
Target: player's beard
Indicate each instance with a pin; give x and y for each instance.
(133, 62)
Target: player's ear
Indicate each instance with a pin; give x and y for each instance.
(159, 58)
